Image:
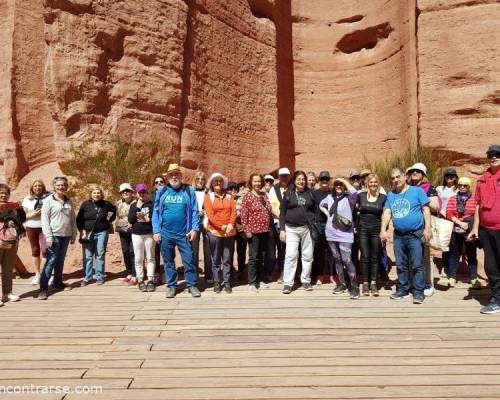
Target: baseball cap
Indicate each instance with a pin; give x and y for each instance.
(493, 149)
(125, 186)
(141, 187)
(269, 177)
(354, 174)
(284, 171)
(324, 175)
(450, 171)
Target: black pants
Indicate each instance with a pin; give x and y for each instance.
(490, 240)
(323, 261)
(355, 253)
(259, 245)
(241, 250)
(278, 245)
(370, 246)
(207, 258)
(128, 252)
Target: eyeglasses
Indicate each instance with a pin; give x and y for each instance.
(494, 155)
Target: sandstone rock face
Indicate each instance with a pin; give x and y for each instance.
(458, 53)
(355, 81)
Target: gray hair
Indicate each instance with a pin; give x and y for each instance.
(60, 179)
(400, 170)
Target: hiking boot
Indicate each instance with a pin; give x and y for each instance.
(307, 287)
(150, 286)
(418, 298)
(287, 289)
(62, 288)
(452, 282)
(217, 287)
(374, 289)
(354, 291)
(227, 287)
(339, 289)
(42, 295)
(475, 284)
(170, 293)
(365, 289)
(195, 292)
(142, 286)
(397, 295)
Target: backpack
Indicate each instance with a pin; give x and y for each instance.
(9, 235)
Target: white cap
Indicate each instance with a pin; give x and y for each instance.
(126, 186)
(269, 177)
(419, 167)
(284, 171)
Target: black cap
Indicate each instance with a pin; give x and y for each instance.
(324, 175)
(493, 149)
(232, 186)
(450, 171)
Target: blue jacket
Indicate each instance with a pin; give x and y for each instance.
(193, 218)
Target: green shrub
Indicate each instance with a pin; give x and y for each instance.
(114, 161)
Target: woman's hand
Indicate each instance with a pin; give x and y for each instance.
(248, 235)
(283, 236)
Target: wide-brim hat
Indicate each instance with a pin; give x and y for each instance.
(172, 168)
(218, 175)
(418, 167)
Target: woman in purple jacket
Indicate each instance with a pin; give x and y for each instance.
(339, 231)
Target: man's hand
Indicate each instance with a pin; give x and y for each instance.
(473, 235)
(383, 236)
(427, 235)
(157, 237)
(50, 242)
(229, 228)
(192, 235)
(283, 236)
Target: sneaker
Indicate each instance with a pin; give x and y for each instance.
(252, 288)
(83, 283)
(339, 289)
(491, 308)
(133, 281)
(475, 284)
(217, 287)
(418, 298)
(374, 289)
(307, 287)
(227, 287)
(366, 289)
(10, 297)
(280, 279)
(35, 280)
(452, 282)
(443, 274)
(429, 292)
(142, 286)
(100, 282)
(150, 286)
(1, 303)
(287, 289)
(397, 295)
(195, 292)
(42, 295)
(319, 280)
(354, 291)
(62, 288)
(264, 285)
(170, 293)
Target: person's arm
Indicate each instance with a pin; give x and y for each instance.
(386, 218)
(156, 220)
(283, 210)
(35, 214)
(427, 223)
(244, 213)
(132, 214)
(195, 216)
(474, 233)
(451, 213)
(80, 222)
(275, 203)
(348, 185)
(21, 214)
(74, 229)
(112, 209)
(434, 204)
(232, 218)
(46, 229)
(323, 207)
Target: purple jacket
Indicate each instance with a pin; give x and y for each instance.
(345, 209)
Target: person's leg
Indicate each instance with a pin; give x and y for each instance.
(33, 235)
(254, 259)
(281, 249)
(454, 255)
(138, 243)
(269, 257)
(157, 259)
(416, 246)
(490, 240)
(168, 252)
(307, 250)
(100, 254)
(374, 256)
(227, 258)
(329, 260)
(190, 275)
(471, 252)
(49, 265)
(402, 263)
(346, 256)
(8, 261)
(88, 249)
(445, 262)
(339, 266)
(241, 250)
(355, 253)
(318, 264)
(428, 267)
(366, 254)
(207, 258)
(291, 255)
(195, 246)
(150, 249)
(59, 264)
(126, 245)
(215, 243)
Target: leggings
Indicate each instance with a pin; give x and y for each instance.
(37, 242)
(342, 254)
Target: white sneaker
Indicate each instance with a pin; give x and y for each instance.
(51, 281)
(10, 297)
(252, 289)
(264, 285)
(429, 292)
(1, 303)
(36, 280)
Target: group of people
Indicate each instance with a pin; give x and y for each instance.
(299, 227)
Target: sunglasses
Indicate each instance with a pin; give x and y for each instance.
(355, 178)
(200, 179)
(494, 155)
(324, 180)
(462, 185)
(159, 182)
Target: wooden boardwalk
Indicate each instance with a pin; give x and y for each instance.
(308, 345)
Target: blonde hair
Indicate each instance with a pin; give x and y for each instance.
(33, 183)
(369, 178)
(93, 187)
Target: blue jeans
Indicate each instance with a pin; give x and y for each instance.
(55, 261)
(95, 248)
(457, 243)
(409, 249)
(168, 252)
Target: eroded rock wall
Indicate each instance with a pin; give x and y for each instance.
(355, 80)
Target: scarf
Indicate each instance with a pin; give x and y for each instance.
(462, 201)
(489, 188)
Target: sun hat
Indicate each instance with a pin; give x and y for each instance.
(365, 172)
(141, 187)
(125, 186)
(418, 167)
(465, 181)
(172, 168)
(218, 175)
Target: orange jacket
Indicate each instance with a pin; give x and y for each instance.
(221, 212)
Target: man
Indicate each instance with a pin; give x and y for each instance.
(269, 182)
(275, 197)
(176, 222)
(487, 225)
(355, 178)
(408, 206)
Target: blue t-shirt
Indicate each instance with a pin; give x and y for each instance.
(174, 217)
(406, 208)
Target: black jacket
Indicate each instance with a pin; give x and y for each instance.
(89, 219)
(293, 214)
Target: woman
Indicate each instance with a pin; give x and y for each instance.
(241, 239)
(139, 216)
(158, 183)
(370, 206)
(199, 181)
(32, 206)
(12, 216)
(94, 222)
(220, 210)
(311, 180)
(124, 229)
(59, 229)
(256, 221)
(460, 210)
(447, 190)
(297, 212)
(338, 208)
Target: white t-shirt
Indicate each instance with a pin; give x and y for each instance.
(29, 205)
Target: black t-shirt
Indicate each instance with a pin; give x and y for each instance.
(294, 208)
(141, 228)
(370, 213)
(319, 195)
